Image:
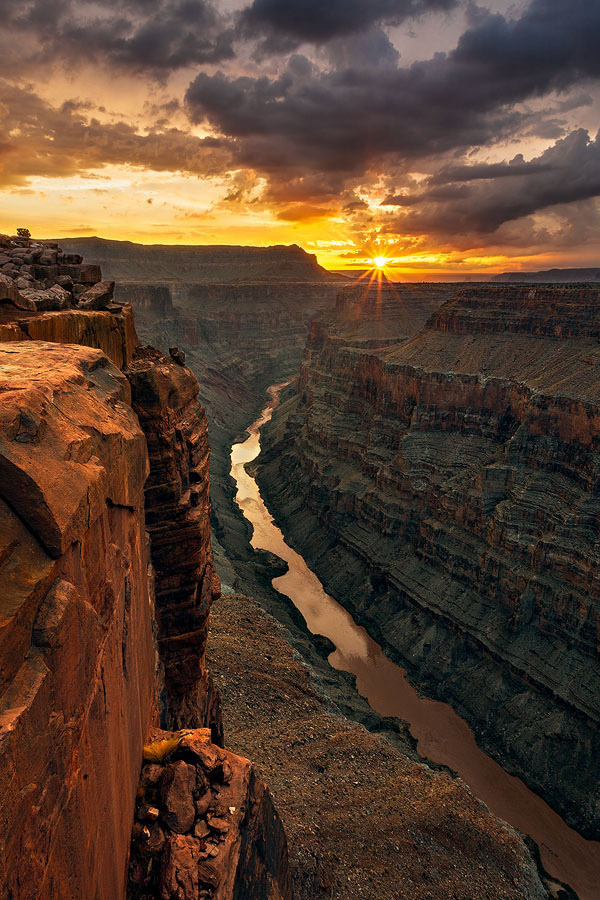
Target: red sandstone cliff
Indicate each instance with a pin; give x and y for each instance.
(106, 581)
(78, 686)
(164, 395)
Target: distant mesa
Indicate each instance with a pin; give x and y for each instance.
(124, 261)
(551, 276)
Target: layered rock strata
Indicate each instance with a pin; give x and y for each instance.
(164, 395)
(238, 339)
(77, 656)
(445, 489)
(126, 261)
(90, 523)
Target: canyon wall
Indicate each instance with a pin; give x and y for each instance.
(238, 338)
(550, 276)
(446, 490)
(107, 579)
(78, 661)
(164, 396)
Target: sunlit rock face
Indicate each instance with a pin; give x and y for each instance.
(106, 578)
(78, 659)
(446, 489)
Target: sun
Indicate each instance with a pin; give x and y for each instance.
(380, 262)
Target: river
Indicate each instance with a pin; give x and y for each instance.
(442, 736)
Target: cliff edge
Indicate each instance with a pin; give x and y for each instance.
(107, 580)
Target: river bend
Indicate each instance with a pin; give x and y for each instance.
(442, 736)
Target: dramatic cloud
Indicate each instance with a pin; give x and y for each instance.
(142, 35)
(40, 139)
(307, 144)
(288, 23)
(565, 173)
(343, 119)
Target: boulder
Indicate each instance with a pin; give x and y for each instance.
(10, 291)
(177, 355)
(179, 874)
(85, 274)
(48, 299)
(66, 282)
(98, 296)
(177, 796)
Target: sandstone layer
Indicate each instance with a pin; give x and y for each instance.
(164, 395)
(77, 655)
(445, 488)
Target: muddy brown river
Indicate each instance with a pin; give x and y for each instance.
(442, 736)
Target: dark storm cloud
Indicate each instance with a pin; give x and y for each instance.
(288, 23)
(342, 119)
(516, 166)
(565, 173)
(40, 139)
(143, 35)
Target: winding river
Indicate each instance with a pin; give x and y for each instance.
(442, 736)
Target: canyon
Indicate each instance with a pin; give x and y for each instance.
(444, 490)
(241, 314)
(132, 692)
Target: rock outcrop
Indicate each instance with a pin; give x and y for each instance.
(445, 488)
(45, 278)
(164, 395)
(77, 656)
(205, 826)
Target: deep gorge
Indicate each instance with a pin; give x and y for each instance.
(444, 490)
(122, 425)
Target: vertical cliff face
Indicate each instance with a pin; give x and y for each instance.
(103, 506)
(77, 656)
(164, 395)
(445, 488)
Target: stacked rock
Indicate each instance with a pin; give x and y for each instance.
(37, 275)
(188, 815)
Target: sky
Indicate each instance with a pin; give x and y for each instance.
(446, 136)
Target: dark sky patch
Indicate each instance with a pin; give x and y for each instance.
(152, 36)
(288, 23)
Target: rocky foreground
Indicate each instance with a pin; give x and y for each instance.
(363, 819)
(445, 489)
